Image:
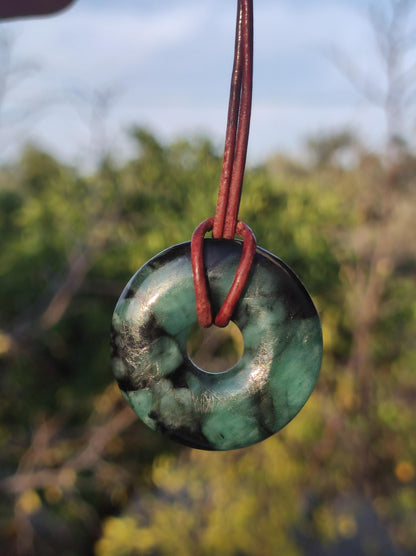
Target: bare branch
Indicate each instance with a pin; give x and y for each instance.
(362, 84)
(29, 478)
(98, 439)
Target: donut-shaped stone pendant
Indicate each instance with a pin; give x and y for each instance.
(216, 411)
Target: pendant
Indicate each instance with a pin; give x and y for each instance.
(216, 411)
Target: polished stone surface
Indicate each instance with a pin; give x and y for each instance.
(244, 405)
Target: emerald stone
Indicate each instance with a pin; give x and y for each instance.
(216, 411)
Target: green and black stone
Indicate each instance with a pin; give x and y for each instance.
(222, 411)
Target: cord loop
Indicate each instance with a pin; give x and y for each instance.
(225, 223)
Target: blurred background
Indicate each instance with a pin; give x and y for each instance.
(112, 119)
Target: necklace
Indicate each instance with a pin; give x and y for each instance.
(213, 281)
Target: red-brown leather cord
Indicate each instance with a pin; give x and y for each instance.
(238, 125)
(225, 223)
(203, 304)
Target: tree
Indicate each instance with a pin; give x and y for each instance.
(77, 470)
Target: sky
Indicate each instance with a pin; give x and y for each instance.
(87, 75)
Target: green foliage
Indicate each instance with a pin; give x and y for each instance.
(78, 471)
(196, 509)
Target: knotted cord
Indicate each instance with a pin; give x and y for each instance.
(225, 223)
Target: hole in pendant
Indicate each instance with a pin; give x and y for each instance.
(215, 349)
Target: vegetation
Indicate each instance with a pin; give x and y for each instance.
(80, 475)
